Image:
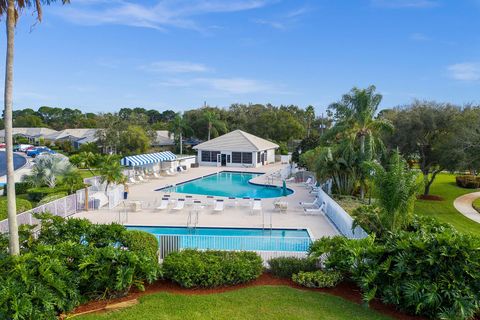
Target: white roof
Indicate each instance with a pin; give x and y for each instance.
(163, 138)
(31, 132)
(76, 133)
(237, 140)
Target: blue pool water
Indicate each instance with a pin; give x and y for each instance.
(228, 184)
(233, 238)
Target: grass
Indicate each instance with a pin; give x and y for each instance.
(87, 174)
(349, 204)
(265, 302)
(445, 187)
(476, 204)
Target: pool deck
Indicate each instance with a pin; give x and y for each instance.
(238, 216)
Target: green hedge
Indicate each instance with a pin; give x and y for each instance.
(22, 206)
(37, 194)
(469, 182)
(206, 269)
(318, 279)
(20, 188)
(286, 267)
(71, 261)
(52, 197)
(429, 269)
(142, 241)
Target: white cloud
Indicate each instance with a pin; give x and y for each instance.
(405, 3)
(163, 14)
(281, 22)
(420, 37)
(224, 85)
(468, 71)
(176, 67)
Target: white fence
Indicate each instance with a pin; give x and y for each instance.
(266, 247)
(98, 194)
(63, 207)
(340, 218)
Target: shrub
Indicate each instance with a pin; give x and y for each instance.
(286, 267)
(468, 181)
(37, 194)
(141, 241)
(22, 206)
(20, 188)
(429, 269)
(52, 197)
(318, 279)
(192, 268)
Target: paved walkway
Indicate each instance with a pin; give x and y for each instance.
(237, 215)
(464, 205)
(20, 172)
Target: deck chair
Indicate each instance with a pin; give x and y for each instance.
(156, 175)
(179, 205)
(141, 179)
(314, 211)
(246, 202)
(170, 172)
(219, 205)
(232, 202)
(257, 206)
(163, 204)
(315, 203)
(132, 180)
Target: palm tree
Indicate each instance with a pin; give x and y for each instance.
(87, 160)
(309, 116)
(111, 172)
(12, 10)
(214, 124)
(48, 170)
(355, 113)
(179, 128)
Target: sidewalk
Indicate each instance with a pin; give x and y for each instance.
(464, 205)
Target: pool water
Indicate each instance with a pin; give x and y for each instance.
(228, 184)
(232, 238)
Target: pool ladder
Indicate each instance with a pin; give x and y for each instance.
(192, 221)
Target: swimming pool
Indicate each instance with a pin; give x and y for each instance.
(232, 238)
(228, 184)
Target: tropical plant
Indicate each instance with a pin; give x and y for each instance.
(48, 170)
(11, 10)
(309, 118)
(286, 267)
(73, 180)
(179, 128)
(111, 171)
(318, 279)
(394, 187)
(214, 124)
(355, 115)
(85, 159)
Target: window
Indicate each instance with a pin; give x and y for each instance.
(246, 157)
(209, 156)
(258, 157)
(236, 157)
(205, 156)
(214, 156)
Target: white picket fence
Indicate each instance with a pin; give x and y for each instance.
(63, 207)
(340, 218)
(97, 197)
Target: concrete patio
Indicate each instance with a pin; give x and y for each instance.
(239, 215)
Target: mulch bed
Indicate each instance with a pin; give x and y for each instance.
(430, 197)
(346, 290)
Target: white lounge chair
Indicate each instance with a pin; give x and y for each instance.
(246, 202)
(210, 201)
(232, 202)
(291, 179)
(132, 180)
(141, 179)
(170, 172)
(314, 211)
(181, 169)
(257, 206)
(156, 175)
(179, 205)
(163, 204)
(219, 205)
(315, 203)
(310, 183)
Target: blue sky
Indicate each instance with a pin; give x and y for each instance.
(100, 55)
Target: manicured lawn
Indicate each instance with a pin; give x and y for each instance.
(476, 204)
(88, 174)
(444, 186)
(266, 302)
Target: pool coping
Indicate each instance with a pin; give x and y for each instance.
(258, 174)
(248, 228)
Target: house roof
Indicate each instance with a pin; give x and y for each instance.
(237, 140)
(30, 132)
(75, 133)
(163, 138)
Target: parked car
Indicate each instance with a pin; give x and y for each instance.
(3, 145)
(16, 148)
(24, 147)
(39, 150)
